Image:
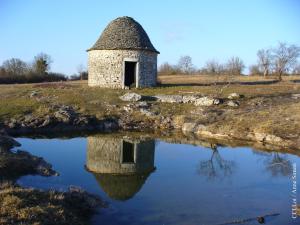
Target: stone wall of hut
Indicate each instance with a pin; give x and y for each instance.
(104, 155)
(105, 67)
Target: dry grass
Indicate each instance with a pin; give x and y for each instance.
(210, 79)
(30, 206)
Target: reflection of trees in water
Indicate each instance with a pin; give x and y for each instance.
(278, 164)
(216, 167)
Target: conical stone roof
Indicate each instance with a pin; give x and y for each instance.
(124, 33)
(121, 187)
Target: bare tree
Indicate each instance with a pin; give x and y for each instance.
(41, 64)
(296, 69)
(285, 56)
(81, 71)
(278, 164)
(15, 66)
(254, 70)
(216, 167)
(264, 60)
(185, 64)
(235, 66)
(213, 67)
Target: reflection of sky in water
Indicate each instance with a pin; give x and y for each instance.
(191, 184)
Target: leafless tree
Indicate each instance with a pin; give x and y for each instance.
(296, 69)
(285, 57)
(213, 67)
(185, 64)
(264, 60)
(81, 71)
(235, 66)
(15, 66)
(278, 164)
(254, 70)
(216, 167)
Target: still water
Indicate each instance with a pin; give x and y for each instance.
(148, 181)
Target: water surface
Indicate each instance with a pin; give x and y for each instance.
(150, 181)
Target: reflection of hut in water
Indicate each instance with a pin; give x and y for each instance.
(120, 165)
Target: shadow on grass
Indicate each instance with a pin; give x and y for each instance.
(223, 83)
(295, 81)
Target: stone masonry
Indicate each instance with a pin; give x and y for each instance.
(106, 67)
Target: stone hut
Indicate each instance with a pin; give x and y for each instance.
(122, 57)
(120, 165)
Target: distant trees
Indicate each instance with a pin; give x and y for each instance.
(213, 67)
(296, 69)
(82, 73)
(254, 70)
(14, 67)
(17, 71)
(184, 66)
(278, 60)
(167, 68)
(235, 66)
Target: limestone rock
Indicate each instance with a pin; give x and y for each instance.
(233, 103)
(131, 97)
(147, 112)
(65, 114)
(234, 96)
(189, 98)
(269, 138)
(296, 96)
(189, 127)
(33, 94)
(169, 98)
(142, 104)
(207, 101)
(47, 121)
(273, 139)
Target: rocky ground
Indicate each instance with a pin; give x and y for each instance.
(20, 205)
(259, 119)
(265, 113)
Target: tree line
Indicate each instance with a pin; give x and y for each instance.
(279, 60)
(15, 70)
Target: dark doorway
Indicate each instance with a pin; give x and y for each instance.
(130, 68)
(128, 152)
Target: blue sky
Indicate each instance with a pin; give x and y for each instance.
(204, 30)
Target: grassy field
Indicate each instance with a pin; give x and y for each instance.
(15, 99)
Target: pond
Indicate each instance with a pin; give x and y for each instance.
(152, 181)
